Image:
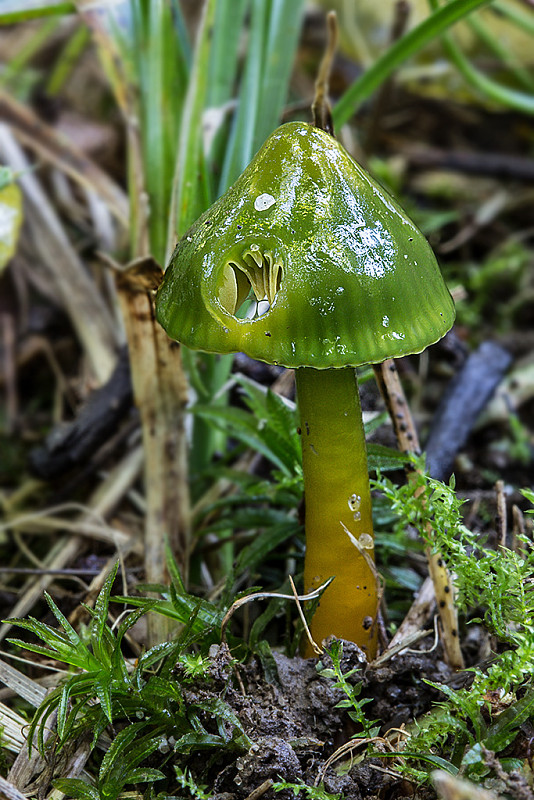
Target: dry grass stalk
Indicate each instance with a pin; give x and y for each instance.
(22, 685)
(101, 504)
(159, 382)
(399, 411)
(10, 792)
(12, 725)
(160, 391)
(55, 149)
(76, 291)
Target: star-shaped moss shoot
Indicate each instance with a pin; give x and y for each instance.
(338, 277)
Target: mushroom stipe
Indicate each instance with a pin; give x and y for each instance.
(340, 277)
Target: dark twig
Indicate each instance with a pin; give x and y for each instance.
(391, 389)
(464, 399)
(495, 165)
(321, 110)
(401, 13)
(72, 445)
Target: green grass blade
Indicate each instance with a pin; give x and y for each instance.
(405, 47)
(523, 19)
(76, 787)
(71, 634)
(241, 143)
(33, 10)
(191, 190)
(98, 622)
(229, 17)
(510, 98)
(162, 72)
(508, 57)
(282, 36)
(273, 37)
(27, 52)
(65, 63)
(181, 31)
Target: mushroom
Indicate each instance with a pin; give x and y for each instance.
(339, 277)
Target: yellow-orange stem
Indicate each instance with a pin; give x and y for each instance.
(336, 491)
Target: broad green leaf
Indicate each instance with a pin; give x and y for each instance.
(385, 458)
(198, 740)
(264, 543)
(435, 761)
(224, 716)
(504, 729)
(182, 607)
(103, 684)
(77, 789)
(191, 191)
(245, 428)
(145, 775)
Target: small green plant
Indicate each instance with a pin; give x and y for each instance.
(186, 781)
(500, 582)
(301, 788)
(140, 703)
(352, 701)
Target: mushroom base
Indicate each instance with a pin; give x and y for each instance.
(338, 503)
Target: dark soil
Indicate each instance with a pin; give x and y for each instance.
(296, 724)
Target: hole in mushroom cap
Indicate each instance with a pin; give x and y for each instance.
(249, 284)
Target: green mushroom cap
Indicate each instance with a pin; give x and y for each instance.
(342, 275)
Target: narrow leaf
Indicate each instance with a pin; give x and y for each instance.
(407, 46)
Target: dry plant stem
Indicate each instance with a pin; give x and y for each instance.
(35, 771)
(75, 290)
(158, 378)
(61, 153)
(20, 684)
(260, 790)
(518, 529)
(500, 518)
(10, 792)
(391, 389)
(420, 610)
(103, 501)
(450, 787)
(7, 366)
(401, 13)
(161, 392)
(13, 726)
(322, 116)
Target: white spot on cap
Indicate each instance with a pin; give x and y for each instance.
(264, 201)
